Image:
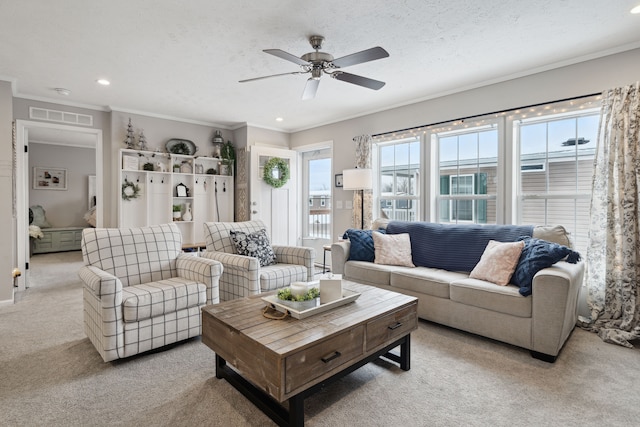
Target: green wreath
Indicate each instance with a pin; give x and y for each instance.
(283, 170)
(130, 190)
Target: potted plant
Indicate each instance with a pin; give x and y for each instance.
(228, 155)
(177, 212)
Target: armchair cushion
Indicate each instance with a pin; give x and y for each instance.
(154, 299)
(255, 245)
(281, 275)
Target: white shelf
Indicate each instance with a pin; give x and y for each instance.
(157, 191)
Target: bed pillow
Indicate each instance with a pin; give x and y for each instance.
(39, 217)
(536, 255)
(392, 249)
(255, 245)
(498, 262)
(362, 248)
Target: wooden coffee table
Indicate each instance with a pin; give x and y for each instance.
(278, 361)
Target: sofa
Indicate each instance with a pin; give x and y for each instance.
(438, 271)
(140, 291)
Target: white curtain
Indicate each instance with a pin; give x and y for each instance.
(363, 160)
(613, 255)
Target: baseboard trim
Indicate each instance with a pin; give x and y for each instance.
(8, 302)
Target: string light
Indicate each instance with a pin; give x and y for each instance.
(557, 107)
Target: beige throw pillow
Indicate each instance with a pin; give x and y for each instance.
(392, 249)
(498, 262)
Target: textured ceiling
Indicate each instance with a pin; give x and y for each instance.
(183, 59)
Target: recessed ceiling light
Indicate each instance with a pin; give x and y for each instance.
(279, 119)
(103, 82)
(63, 91)
(636, 10)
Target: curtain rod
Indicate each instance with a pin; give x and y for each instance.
(484, 114)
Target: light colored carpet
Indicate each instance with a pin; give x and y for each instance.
(51, 375)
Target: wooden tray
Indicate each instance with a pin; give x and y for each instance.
(347, 297)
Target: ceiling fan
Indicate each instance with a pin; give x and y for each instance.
(318, 63)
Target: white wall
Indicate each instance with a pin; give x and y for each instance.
(7, 220)
(64, 208)
(592, 76)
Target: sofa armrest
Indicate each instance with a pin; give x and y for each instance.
(339, 255)
(103, 285)
(555, 305)
(297, 255)
(201, 270)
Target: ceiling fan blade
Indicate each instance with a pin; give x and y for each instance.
(273, 75)
(358, 80)
(360, 57)
(310, 88)
(286, 56)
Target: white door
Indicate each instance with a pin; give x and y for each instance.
(276, 207)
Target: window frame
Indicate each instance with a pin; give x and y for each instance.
(414, 200)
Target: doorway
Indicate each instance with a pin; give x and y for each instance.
(64, 135)
(317, 192)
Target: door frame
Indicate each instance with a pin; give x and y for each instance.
(22, 185)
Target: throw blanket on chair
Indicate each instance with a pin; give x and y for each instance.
(454, 247)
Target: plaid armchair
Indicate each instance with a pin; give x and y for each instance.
(242, 275)
(140, 291)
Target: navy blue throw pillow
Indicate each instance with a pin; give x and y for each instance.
(536, 255)
(361, 244)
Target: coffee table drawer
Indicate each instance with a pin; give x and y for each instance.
(308, 364)
(391, 326)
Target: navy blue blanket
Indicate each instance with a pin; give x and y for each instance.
(454, 247)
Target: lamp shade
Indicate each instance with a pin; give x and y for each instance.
(357, 179)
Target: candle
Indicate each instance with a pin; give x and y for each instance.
(298, 289)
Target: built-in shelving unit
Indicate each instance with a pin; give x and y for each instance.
(157, 177)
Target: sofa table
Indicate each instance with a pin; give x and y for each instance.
(287, 360)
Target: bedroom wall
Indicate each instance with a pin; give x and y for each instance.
(64, 208)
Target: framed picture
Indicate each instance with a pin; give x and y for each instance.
(339, 180)
(49, 178)
(181, 190)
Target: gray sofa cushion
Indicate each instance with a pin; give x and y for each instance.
(430, 281)
(502, 299)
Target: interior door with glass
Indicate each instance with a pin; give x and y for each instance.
(276, 207)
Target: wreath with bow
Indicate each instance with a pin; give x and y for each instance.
(276, 163)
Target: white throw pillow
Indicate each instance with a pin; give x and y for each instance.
(392, 249)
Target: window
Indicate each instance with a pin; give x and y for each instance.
(527, 166)
(399, 179)
(559, 192)
(467, 165)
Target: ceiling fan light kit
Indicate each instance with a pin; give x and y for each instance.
(318, 63)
